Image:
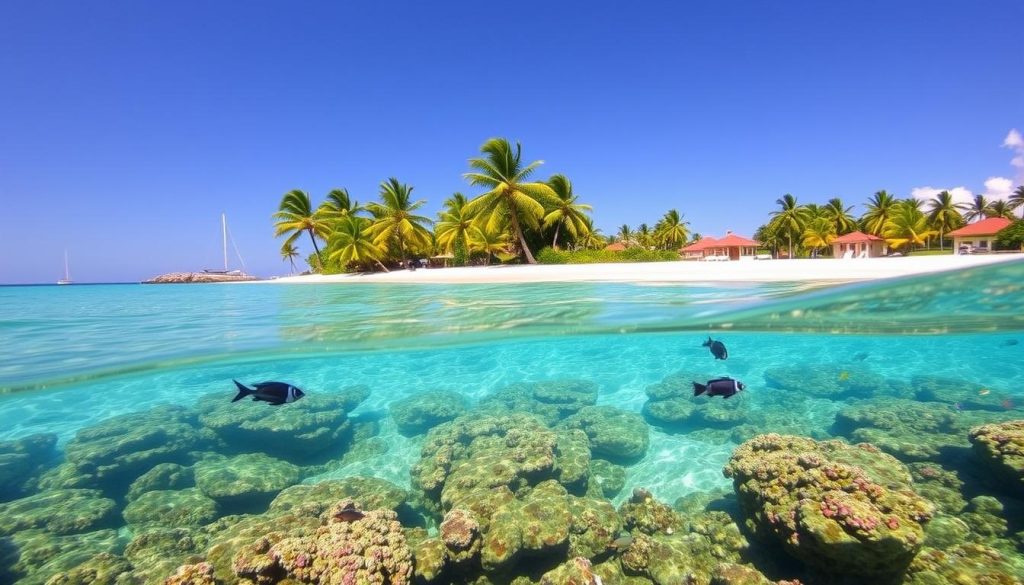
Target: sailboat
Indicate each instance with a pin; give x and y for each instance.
(224, 237)
(67, 273)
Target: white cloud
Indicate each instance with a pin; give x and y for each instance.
(960, 194)
(998, 188)
(1013, 139)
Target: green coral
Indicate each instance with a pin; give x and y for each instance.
(297, 431)
(102, 569)
(836, 507)
(606, 479)
(249, 481)
(187, 507)
(550, 400)
(155, 551)
(314, 499)
(165, 476)
(1000, 447)
(614, 433)
(828, 381)
(963, 393)
(969, 563)
(33, 556)
(58, 512)
(643, 512)
(572, 460)
(575, 571)
(421, 412)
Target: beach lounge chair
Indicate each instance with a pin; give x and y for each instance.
(847, 254)
(863, 254)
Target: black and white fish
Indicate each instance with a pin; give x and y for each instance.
(273, 393)
(726, 387)
(717, 349)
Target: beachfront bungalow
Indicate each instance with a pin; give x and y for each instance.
(858, 245)
(731, 247)
(978, 237)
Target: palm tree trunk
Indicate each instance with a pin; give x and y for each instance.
(554, 243)
(790, 236)
(382, 267)
(317, 248)
(519, 234)
(942, 246)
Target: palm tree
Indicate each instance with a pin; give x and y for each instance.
(1017, 199)
(819, 233)
(790, 219)
(352, 243)
(672, 230)
(566, 212)
(879, 208)
(394, 221)
(840, 216)
(625, 235)
(488, 242)
(593, 238)
(295, 215)
(907, 226)
(452, 227)
(643, 236)
(978, 208)
(502, 172)
(289, 252)
(338, 204)
(1000, 208)
(768, 236)
(944, 215)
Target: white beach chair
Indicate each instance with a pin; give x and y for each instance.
(847, 254)
(863, 254)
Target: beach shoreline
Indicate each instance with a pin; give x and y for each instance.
(797, 270)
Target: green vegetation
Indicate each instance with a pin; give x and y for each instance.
(1012, 236)
(518, 214)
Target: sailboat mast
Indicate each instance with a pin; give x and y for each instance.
(224, 234)
(67, 273)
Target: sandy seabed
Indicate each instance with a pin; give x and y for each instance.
(824, 269)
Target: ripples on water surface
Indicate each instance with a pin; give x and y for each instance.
(76, 356)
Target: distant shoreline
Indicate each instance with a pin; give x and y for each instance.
(798, 270)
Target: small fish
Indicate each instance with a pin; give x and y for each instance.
(860, 356)
(984, 392)
(1007, 404)
(348, 513)
(726, 387)
(717, 349)
(844, 376)
(1010, 342)
(621, 543)
(273, 393)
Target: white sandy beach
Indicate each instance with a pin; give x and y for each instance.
(798, 270)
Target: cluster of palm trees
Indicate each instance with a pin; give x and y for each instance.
(670, 232)
(511, 216)
(902, 223)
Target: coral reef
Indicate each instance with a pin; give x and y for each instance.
(550, 401)
(197, 574)
(187, 507)
(829, 381)
(315, 499)
(249, 480)
(836, 507)
(113, 453)
(30, 557)
(58, 512)
(370, 549)
(1000, 447)
(606, 479)
(645, 513)
(967, 563)
(572, 461)
(419, 413)
(164, 476)
(301, 431)
(576, 571)
(21, 460)
(614, 434)
(965, 394)
(101, 569)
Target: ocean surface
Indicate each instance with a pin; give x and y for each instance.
(76, 356)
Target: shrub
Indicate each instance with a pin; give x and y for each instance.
(1011, 237)
(550, 256)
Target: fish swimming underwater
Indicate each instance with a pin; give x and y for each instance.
(860, 356)
(273, 393)
(726, 387)
(717, 349)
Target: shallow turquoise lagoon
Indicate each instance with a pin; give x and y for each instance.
(76, 357)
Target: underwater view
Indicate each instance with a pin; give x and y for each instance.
(585, 433)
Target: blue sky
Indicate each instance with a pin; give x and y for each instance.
(127, 127)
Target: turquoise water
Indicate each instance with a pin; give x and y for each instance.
(76, 356)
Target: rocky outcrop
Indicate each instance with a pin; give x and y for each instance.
(187, 277)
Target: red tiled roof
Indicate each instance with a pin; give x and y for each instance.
(855, 237)
(616, 247)
(986, 227)
(734, 240)
(699, 245)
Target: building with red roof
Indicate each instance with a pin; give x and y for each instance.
(858, 245)
(731, 247)
(978, 236)
(615, 247)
